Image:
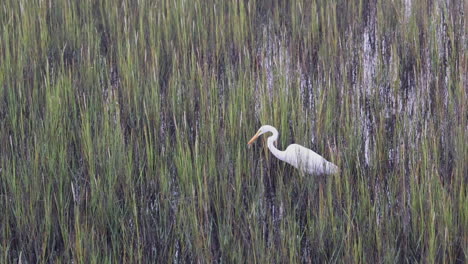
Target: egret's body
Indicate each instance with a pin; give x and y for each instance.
(298, 156)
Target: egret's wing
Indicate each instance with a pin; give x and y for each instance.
(308, 160)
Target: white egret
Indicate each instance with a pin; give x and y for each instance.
(298, 156)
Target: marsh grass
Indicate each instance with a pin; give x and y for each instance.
(123, 131)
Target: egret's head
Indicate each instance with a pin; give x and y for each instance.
(260, 132)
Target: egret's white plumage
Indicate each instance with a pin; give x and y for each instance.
(297, 155)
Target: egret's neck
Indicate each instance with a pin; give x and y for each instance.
(271, 140)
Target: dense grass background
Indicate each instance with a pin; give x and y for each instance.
(123, 130)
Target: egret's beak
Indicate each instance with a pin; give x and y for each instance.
(254, 138)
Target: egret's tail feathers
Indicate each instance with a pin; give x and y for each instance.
(332, 168)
